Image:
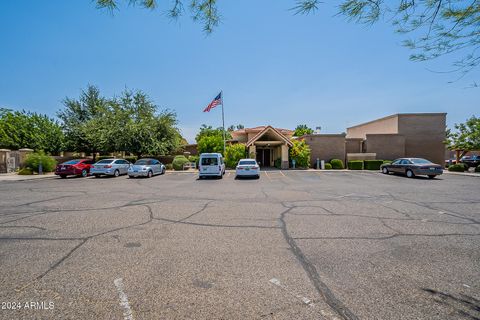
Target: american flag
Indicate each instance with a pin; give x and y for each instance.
(215, 102)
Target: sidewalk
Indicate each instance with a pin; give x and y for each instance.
(469, 174)
(16, 177)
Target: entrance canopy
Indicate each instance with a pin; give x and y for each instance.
(269, 137)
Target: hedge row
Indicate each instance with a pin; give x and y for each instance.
(372, 164)
(457, 168)
(355, 164)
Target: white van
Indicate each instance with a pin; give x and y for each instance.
(211, 165)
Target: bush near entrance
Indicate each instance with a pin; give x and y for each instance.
(337, 164)
(33, 161)
(372, 164)
(300, 152)
(328, 166)
(233, 154)
(355, 165)
(178, 162)
(457, 168)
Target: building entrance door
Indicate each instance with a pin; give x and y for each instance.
(263, 157)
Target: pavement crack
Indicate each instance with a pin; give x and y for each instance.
(324, 291)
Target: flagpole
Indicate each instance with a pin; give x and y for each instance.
(223, 124)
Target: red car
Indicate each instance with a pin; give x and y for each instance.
(76, 167)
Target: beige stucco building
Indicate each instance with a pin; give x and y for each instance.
(401, 135)
(266, 144)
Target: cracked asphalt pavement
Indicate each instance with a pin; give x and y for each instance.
(291, 245)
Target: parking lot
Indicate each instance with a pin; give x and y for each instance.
(290, 245)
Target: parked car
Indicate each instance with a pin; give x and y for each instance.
(211, 165)
(146, 168)
(412, 167)
(247, 168)
(76, 167)
(470, 161)
(110, 167)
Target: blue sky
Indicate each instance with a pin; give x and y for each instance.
(273, 67)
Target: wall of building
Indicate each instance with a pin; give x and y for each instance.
(384, 125)
(386, 146)
(325, 147)
(424, 135)
(353, 145)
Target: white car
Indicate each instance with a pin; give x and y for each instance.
(248, 168)
(211, 165)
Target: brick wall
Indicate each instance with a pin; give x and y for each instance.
(325, 147)
(386, 146)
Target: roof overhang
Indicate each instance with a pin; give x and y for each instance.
(282, 139)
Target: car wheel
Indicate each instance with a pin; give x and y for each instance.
(410, 173)
(84, 173)
(384, 170)
(63, 176)
(257, 177)
(431, 176)
(96, 175)
(221, 176)
(116, 173)
(163, 170)
(149, 174)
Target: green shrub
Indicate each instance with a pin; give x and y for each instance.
(355, 164)
(194, 159)
(25, 172)
(233, 154)
(456, 168)
(278, 163)
(337, 164)
(178, 162)
(132, 159)
(372, 164)
(103, 157)
(33, 160)
(387, 161)
(328, 166)
(169, 166)
(300, 152)
(477, 169)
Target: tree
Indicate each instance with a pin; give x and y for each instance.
(208, 144)
(235, 127)
(141, 129)
(233, 154)
(301, 130)
(210, 131)
(439, 27)
(465, 138)
(22, 129)
(131, 122)
(300, 152)
(86, 122)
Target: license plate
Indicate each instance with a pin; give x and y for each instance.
(135, 170)
(432, 168)
(62, 168)
(247, 169)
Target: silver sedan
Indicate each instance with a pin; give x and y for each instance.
(109, 167)
(146, 168)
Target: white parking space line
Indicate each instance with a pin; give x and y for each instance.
(127, 313)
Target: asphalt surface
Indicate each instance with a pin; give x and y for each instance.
(290, 245)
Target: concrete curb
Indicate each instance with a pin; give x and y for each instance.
(467, 174)
(16, 177)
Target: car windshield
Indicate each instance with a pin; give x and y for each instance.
(142, 162)
(104, 161)
(72, 162)
(247, 162)
(420, 161)
(209, 161)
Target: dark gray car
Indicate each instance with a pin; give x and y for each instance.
(412, 167)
